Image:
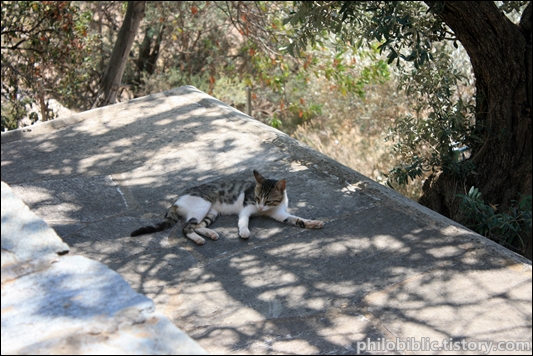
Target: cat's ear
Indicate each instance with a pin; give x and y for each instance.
(258, 177)
(281, 184)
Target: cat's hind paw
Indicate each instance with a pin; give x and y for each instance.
(314, 224)
(196, 238)
(207, 232)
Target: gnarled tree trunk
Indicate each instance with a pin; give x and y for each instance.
(148, 56)
(112, 78)
(500, 53)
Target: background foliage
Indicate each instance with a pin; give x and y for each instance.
(44, 45)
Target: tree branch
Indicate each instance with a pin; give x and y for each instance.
(15, 48)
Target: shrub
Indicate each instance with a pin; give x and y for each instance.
(504, 227)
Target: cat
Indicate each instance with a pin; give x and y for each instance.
(201, 205)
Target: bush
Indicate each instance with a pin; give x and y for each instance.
(505, 227)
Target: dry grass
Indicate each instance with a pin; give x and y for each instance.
(353, 131)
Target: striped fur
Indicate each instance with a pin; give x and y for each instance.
(200, 206)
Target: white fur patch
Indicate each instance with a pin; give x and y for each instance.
(192, 207)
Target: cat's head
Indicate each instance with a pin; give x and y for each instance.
(269, 193)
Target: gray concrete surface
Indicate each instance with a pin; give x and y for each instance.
(384, 276)
(54, 303)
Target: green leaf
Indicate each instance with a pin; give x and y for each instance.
(392, 56)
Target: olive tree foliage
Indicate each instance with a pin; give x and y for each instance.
(70, 51)
(287, 90)
(493, 126)
(219, 47)
(43, 44)
(410, 36)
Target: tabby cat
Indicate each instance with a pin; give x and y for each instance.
(201, 205)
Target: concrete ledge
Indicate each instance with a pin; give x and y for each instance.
(383, 269)
(94, 115)
(53, 303)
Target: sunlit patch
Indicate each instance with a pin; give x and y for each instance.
(166, 121)
(293, 346)
(123, 142)
(444, 251)
(48, 146)
(387, 242)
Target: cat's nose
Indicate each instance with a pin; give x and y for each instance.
(260, 207)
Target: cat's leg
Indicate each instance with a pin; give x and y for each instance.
(208, 220)
(188, 230)
(194, 209)
(287, 218)
(244, 219)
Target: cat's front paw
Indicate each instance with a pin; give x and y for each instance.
(314, 224)
(244, 233)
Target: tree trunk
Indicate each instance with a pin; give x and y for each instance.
(146, 62)
(112, 78)
(500, 53)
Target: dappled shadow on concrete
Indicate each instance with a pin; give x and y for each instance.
(334, 288)
(378, 269)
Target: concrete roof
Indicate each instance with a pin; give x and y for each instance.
(383, 269)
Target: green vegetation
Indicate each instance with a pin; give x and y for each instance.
(44, 55)
(491, 125)
(383, 87)
(502, 227)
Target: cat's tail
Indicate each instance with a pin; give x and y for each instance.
(171, 217)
